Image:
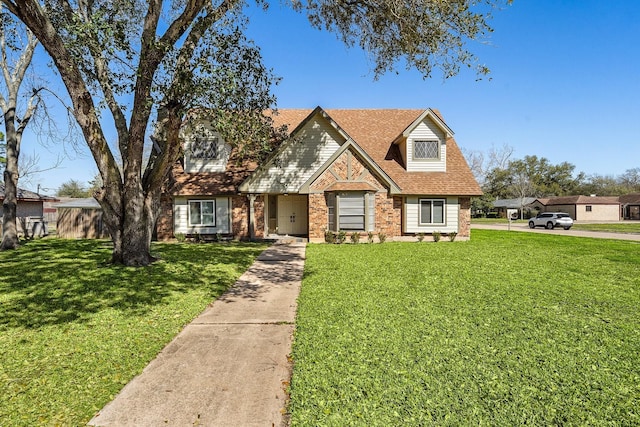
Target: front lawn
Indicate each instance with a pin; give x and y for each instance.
(75, 329)
(618, 227)
(506, 329)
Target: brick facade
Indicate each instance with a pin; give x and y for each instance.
(164, 224)
(318, 216)
(464, 217)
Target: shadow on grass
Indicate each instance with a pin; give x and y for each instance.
(54, 281)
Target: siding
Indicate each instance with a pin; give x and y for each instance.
(299, 160)
(412, 216)
(181, 216)
(206, 165)
(598, 213)
(427, 130)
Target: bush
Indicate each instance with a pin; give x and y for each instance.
(436, 236)
(329, 236)
(341, 237)
(355, 237)
(370, 235)
(382, 237)
(452, 236)
(420, 237)
(180, 237)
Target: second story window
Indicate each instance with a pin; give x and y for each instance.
(205, 148)
(426, 149)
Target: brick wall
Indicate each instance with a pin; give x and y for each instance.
(164, 225)
(318, 216)
(240, 217)
(464, 217)
(258, 221)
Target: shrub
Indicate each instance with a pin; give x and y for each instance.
(436, 236)
(382, 237)
(452, 236)
(180, 237)
(329, 236)
(355, 237)
(420, 237)
(341, 237)
(370, 235)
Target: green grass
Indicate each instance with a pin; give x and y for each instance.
(75, 329)
(506, 329)
(621, 227)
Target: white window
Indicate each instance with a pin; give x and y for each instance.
(202, 212)
(432, 211)
(205, 148)
(426, 149)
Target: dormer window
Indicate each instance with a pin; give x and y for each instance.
(205, 148)
(426, 150)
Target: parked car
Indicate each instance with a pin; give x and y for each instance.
(551, 220)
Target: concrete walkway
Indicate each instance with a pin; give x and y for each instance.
(229, 367)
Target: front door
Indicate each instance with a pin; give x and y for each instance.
(292, 215)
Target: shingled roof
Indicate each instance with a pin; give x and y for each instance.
(581, 200)
(377, 130)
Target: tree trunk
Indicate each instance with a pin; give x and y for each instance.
(132, 229)
(10, 203)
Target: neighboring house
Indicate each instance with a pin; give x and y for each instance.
(520, 204)
(29, 212)
(80, 219)
(630, 204)
(583, 208)
(397, 172)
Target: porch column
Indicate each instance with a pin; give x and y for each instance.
(252, 230)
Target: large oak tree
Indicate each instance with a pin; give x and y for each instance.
(148, 64)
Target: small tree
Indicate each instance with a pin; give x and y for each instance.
(72, 188)
(16, 54)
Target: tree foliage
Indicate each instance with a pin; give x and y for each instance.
(72, 188)
(149, 64)
(533, 176)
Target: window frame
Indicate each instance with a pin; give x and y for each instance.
(431, 201)
(427, 159)
(588, 208)
(200, 202)
(368, 215)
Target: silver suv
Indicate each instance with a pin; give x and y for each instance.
(550, 220)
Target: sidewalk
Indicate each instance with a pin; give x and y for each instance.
(229, 367)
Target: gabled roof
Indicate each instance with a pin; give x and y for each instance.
(376, 131)
(514, 203)
(27, 195)
(393, 188)
(582, 200)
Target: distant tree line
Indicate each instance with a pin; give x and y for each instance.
(504, 178)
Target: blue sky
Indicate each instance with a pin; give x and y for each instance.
(565, 83)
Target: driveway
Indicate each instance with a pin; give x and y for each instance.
(522, 226)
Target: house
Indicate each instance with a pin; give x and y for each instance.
(80, 219)
(397, 172)
(519, 205)
(630, 204)
(29, 211)
(583, 208)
